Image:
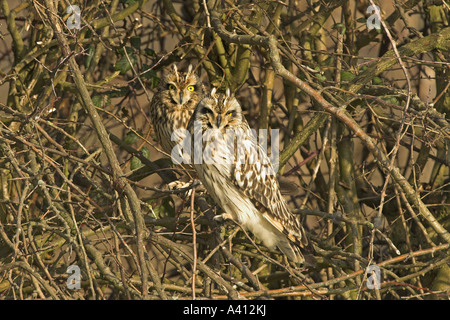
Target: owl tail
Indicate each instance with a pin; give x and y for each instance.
(299, 255)
(291, 251)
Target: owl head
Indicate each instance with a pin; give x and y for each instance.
(180, 90)
(219, 111)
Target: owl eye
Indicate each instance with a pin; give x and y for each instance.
(231, 113)
(191, 88)
(206, 111)
(171, 86)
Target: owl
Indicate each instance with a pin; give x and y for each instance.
(172, 106)
(239, 176)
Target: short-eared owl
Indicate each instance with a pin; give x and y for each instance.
(239, 176)
(173, 104)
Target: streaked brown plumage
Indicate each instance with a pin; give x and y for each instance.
(240, 177)
(173, 104)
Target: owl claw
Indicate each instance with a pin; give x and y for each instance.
(177, 185)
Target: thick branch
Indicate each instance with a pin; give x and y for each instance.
(120, 183)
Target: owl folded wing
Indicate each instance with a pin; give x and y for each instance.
(253, 174)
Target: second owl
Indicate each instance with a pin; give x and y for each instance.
(173, 104)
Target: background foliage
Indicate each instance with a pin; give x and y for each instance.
(364, 148)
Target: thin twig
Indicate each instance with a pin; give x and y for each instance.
(194, 244)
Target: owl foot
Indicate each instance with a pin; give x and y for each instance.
(177, 185)
(189, 186)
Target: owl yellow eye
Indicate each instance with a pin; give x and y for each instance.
(171, 87)
(231, 113)
(191, 88)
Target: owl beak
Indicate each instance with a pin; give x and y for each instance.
(181, 98)
(218, 120)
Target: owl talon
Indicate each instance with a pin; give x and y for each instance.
(179, 185)
(199, 188)
(176, 185)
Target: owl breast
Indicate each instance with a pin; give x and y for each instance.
(235, 203)
(172, 132)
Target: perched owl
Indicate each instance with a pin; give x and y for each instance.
(239, 176)
(173, 104)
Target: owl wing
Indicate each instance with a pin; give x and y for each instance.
(253, 174)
